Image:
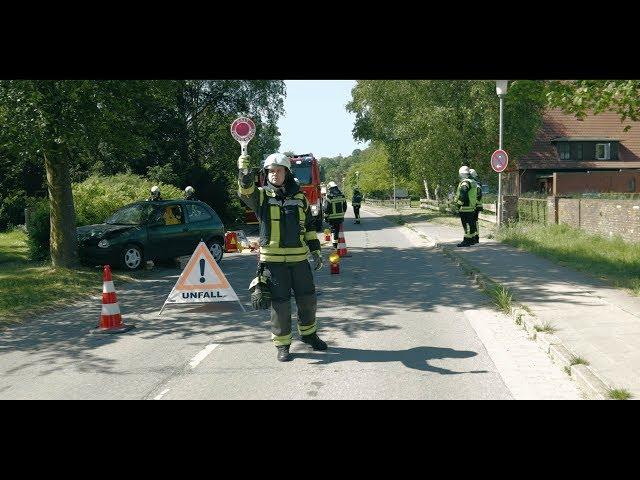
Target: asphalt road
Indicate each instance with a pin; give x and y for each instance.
(401, 321)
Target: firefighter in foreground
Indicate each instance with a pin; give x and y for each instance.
(474, 177)
(334, 208)
(356, 201)
(466, 198)
(287, 235)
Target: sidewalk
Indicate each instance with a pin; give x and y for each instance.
(593, 320)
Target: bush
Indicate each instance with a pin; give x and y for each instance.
(97, 198)
(12, 210)
(39, 230)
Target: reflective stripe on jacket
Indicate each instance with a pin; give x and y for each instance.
(286, 225)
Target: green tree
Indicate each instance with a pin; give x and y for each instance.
(582, 97)
(429, 128)
(54, 120)
(175, 130)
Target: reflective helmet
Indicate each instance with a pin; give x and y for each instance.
(332, 184)
(473, 173)
(464, 172)
(189, 190)
(277, 159)
(155, 189)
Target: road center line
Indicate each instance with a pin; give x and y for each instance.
(202, 354)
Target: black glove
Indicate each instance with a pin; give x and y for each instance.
(260, 297)
(260, 291)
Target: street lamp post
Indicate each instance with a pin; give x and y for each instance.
(501, 91)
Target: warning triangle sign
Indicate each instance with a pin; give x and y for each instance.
(202, 281)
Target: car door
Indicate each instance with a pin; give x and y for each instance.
(203, 222)
(170, 231)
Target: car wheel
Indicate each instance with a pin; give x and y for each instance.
(131, 257)
(216, 248)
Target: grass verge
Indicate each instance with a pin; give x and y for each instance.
(612, 260)
(30, 288)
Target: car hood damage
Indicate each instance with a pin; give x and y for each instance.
(100, 231)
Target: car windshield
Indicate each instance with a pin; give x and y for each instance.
(302, 172)
(131, 215)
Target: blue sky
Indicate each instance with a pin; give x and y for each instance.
(315, 119)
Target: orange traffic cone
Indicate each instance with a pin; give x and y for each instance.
(110, 318)
(342, 243)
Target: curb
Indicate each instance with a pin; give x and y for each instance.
(587, 380)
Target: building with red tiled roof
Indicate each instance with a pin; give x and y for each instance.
(594, 154)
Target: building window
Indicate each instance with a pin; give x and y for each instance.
(603, 151)
(578, 151)
(564, 150)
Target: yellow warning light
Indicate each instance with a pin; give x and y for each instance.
(334, 257)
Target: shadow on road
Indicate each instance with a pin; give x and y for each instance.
(416, 358)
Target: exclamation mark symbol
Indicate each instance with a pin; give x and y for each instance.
(202, 263)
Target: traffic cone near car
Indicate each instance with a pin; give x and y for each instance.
(110, 317)
(342, 243)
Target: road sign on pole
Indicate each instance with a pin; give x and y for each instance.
(499, 160)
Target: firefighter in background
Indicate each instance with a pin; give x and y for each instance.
(476, 179)
(155, 194)
(356, 201)
(287, 235)
(466, 197)
(334, 208)
(189, 193)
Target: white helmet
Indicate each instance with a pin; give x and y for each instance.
(189, 189)
(473, 173)
(155, 189)
(277, 159)
(464, 172)
(332, 184)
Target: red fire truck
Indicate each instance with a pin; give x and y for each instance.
(306, 170)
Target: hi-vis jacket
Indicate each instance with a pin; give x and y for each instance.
(335, 207)
(479, 196)
(357, 199)
(467, 195)
(287, 228)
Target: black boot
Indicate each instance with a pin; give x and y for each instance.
(314, 341)
(476, 239)
(465, 243)
(283, 353)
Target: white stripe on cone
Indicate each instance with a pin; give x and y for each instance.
(110, 308)
(107, 287)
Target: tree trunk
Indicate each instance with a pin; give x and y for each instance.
(64, 248)
(435, 192)
(426, 189)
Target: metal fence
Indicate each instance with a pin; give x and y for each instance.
(532, 210)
